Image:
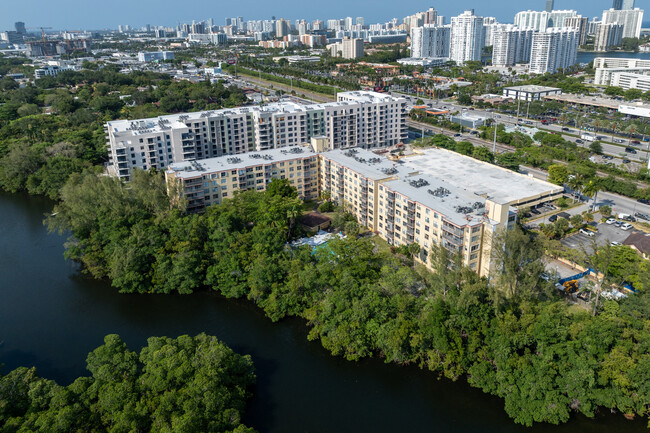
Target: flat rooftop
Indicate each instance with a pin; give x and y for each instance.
(195, 168)
(366, 96)
(592, 101)
(368, 164)
(166, 122)
(531, 88)
(458, 206)
(501, 185)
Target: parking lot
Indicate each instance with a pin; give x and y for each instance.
(605, 235)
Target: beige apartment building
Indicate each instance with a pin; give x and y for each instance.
(210, 181)
(436, 197)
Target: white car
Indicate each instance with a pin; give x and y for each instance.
(587, 232)
(610, 221)
(615, 244)
(626, 226)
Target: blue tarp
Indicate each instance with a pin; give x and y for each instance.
(576, 276)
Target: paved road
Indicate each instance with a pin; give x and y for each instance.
(609, 148)
(272, 85)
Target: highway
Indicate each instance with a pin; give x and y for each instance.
(619, 203)
(616, 150)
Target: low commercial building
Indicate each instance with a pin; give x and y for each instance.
(210, 181)
(530, 92)
(635, 109)
(469, 120)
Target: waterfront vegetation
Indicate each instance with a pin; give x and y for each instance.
(185, 384)
(513, 337)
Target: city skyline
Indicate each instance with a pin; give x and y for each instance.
(165, 12)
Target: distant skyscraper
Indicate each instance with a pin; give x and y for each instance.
(281, 28)
(20, 28)
(511, 45)
(578, 22)
(549, 5)
(430, 41)
(541, 20)
(623, 5)
(630, 18)
(553, 49)
(466, 37)
(608, 36)
(430, 16)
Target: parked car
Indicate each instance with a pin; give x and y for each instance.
(457, 135)
(610, 221)
(566, 129)
(635, 142)
(608, 157)
(642, 216)
(619, 140)
(535, 212)
(626, 161)
(644, 201)
(615, 244)
(579, 141)
(618, 223)
(587, 232)
(626, 226)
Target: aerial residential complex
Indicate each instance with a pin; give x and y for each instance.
(364, 119)
(437, 197)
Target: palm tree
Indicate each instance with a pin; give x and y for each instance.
(575, 182)
(631, 130)
(614, 127)
(591, 189)
(596, 124)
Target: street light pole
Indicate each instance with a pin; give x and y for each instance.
(494, 145)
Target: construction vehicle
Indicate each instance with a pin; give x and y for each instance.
(570, 286)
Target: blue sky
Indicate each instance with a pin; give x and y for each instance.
(94, 14)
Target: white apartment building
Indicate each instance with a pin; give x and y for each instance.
(466, 38)
(620, 62)
(631, 20)
(511, 45)
(430, 41)
(578, 22)
(553, 49)
(631, 80)
(541, 20)
(627, 73)
(608, 36)
(364, 119)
